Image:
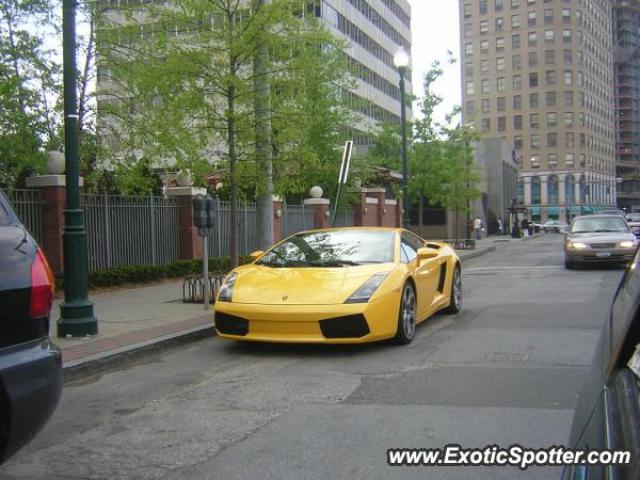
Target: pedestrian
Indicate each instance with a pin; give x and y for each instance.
(530, 227)
(525, 226)
(499, 227)
(477, 227)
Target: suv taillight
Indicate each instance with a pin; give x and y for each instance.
(42, 286)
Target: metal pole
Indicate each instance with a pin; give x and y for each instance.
(405, 167)
(205, 269)
(76, 312)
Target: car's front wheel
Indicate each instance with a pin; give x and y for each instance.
(455, 296)
(407, 315)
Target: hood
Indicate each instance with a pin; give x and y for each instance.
(258, 284)
(604, 237)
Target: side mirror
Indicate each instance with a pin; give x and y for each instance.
(256, 254)
(427, 253)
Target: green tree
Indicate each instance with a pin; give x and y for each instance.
(182, 93)
(29, 84)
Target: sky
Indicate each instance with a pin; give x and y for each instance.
(435, 28)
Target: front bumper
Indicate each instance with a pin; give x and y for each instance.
(342, 323)
(595, 256)
(30, 388)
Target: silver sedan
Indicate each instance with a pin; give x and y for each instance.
(596, 239)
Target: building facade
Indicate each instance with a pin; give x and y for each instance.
(375, 30)
(626, 57)
(539, 73)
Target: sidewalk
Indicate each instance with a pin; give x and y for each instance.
(143, 318)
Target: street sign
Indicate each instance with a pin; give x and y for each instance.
(343, 176)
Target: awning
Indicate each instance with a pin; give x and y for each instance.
(534, 210)
(573, 210)
(586, 210)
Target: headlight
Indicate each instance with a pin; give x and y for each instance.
(576, 245)
(368, 288)
(226, 290)
(627, 244)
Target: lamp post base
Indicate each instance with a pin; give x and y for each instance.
(77, 319)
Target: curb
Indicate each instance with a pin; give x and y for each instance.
(532, 237)
(476, 253)
(118, 357)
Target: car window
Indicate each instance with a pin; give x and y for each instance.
(332, 248)
(410, 252)
(413, 240)
(599, 224)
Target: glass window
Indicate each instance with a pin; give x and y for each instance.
(484, 46)
(517, 82)
(550, 99)
(535, 141)
(533, 100)
(517, 141)
(333, 248)
(502, 124)
(483, 7)
(566, 36)
(550, 77)
(499, 5)
(533, 79)
(535, 163)
(467, 10)
(501, 104)
(552, 119)
(568, 99)
(533, 59)
(569, 140)
(596, 224)
(531, 19)
(566, 15)
(486, 105)
(549, 37)
(515, 3)
(499, 44)
(552, 159)
(500, 64)
(484, 66)
(468, 48)
(534, 120)
(499, 24)
(568, 78)
(484, 26)
(485, 86)
(502, 84)
(517, 122)
(569, 159)
(548, 16)
(517, 102)
(515, 21)
(549, 57)
(568, 119)
(470, 107)
(516, 62)
(469, 88)
(532, 38)
(486, 124)
(567, 56)
(552, 140)
(515, 41)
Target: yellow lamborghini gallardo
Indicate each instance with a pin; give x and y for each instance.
(343, 285)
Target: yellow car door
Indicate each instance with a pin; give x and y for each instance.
(425, 272)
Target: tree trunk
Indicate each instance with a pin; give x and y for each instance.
(457, 222)
(420, 211)
(264, 184)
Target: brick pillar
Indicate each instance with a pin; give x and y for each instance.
(381, 207)
(320, 208)
(190, 241)
(278, 211)
(53, 197)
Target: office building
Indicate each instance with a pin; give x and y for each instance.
(539, 73)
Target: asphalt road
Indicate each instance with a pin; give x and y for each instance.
(504, 371)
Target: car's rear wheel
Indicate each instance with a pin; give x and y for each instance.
(455, 296)
(407, 315)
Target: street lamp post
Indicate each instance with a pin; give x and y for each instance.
(401, 60)
(76, 312)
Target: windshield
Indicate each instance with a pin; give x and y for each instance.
(340, 248)
(599, 224)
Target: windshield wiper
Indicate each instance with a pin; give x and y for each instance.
(336, 263)
(609, 231)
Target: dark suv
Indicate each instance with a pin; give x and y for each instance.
(30, 365)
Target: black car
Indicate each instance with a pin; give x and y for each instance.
(607, 415)
(30, 365)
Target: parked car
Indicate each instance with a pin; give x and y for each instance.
(599, 239)
(554, 226)
(345, 285)
(30, 365)
(607, 414)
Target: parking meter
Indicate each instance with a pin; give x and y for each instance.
(200, 218)
(203, 218)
